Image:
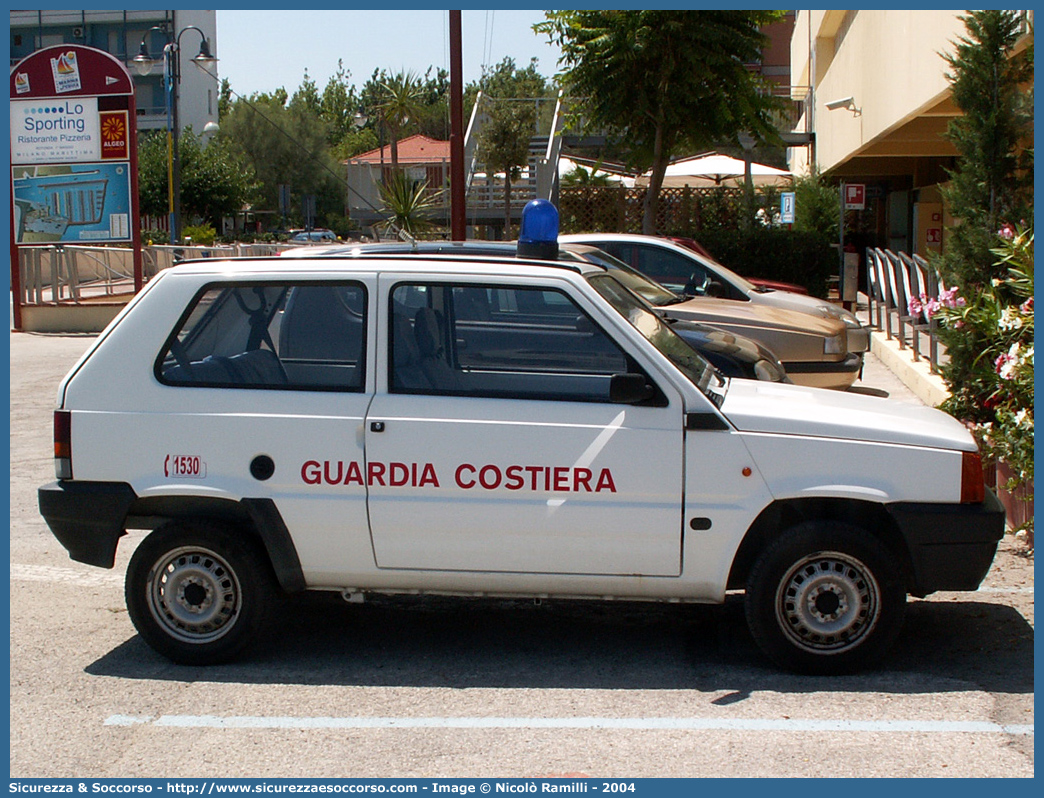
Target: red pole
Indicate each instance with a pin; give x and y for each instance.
(458, 211)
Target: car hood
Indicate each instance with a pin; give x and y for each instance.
(755, 316)
(792, 301)
(795, 410)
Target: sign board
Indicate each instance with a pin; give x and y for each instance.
(81, 203)
(933, 236)
(69, 70)
(855, 196)
(786, 207)
(74, 160)
(55, 131)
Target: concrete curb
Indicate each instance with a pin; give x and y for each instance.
(916, 375)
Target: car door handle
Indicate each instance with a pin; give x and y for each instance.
(376, 426)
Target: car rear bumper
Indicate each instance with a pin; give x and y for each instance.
(87, 517)
(951, 545)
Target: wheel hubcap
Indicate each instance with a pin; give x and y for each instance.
(828, 602)
(194, 595)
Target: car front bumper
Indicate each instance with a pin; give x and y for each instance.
(951, 545)
(858, 339)
(837, 374)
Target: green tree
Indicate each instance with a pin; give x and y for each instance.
(504, 144)
(816, 207)
(512, 113)
(338, 106)
(433, 112)
(287, 144)
(306, 98)
(407, 203)
(993, 180)
(399, 102)
(580, 176)
(214, 181)
(661, 80)
(990, 186)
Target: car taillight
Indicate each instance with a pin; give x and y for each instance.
(62, 444)
(973, 488)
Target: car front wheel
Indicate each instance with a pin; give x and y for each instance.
(197, 592)
(826, 597)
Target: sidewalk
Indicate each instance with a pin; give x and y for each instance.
(915, 375)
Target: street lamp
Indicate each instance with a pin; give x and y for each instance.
(143, 63)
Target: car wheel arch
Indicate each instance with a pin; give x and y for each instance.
(257, 518)
(783, 514)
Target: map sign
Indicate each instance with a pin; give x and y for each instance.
(76, 203)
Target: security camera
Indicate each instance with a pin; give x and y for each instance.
(844, 102)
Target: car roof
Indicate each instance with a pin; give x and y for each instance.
(333, 265)
(471, 247)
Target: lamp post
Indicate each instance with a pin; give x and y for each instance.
(143, 63)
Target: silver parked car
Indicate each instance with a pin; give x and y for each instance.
(685, 271)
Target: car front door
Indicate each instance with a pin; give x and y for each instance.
(496, 447)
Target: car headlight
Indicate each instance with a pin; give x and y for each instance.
(849, 318)
(835, 312)
(835, 345)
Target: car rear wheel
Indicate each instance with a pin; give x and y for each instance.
(826, 597)
(197, 592)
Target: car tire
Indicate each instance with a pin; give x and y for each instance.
(825, 598)
(199, 593)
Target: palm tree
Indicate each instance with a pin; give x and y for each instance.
(407, 203)
(400, 101)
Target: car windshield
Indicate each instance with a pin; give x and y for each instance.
(724, 272)
(647, 322)
(652, 292)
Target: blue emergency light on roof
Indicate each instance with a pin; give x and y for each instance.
(538, 237)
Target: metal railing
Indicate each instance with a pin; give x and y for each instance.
(74, 274)
(899, 287)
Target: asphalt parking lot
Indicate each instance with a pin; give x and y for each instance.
(425, 688)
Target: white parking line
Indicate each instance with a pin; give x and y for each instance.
(653, 724)
(50, 573)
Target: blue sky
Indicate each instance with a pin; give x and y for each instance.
(261, 50)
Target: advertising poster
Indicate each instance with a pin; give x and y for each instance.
(72, 203)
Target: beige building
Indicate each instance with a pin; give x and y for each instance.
(880, 104)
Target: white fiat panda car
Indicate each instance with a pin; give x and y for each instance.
(496, 426)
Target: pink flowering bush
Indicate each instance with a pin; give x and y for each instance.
(990, 335)
(930, 306)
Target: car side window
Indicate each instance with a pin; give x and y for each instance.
(671, 269)
(496, 341)
(307, 336)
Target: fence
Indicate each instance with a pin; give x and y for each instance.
(898, 287)
(72, 274)
(680, 211)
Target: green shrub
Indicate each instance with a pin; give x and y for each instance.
(775, 254)
(201, 235)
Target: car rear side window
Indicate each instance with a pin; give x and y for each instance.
(304, 336)
(498, 341)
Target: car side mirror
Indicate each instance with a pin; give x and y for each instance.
(630, 389)
(713, 288)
